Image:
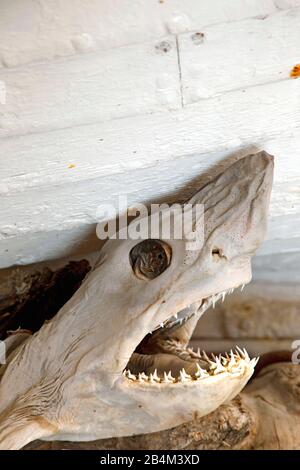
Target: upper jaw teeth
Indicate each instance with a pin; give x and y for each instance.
(201, 307)
(221, 295)
(175, 319)
(232, 364)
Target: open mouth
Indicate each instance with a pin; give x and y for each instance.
(164, 357)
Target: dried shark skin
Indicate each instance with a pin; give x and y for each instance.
(71, 380)
(265, 416)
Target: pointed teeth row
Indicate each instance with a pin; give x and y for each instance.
(189, 352)
(194, 354)
(232, 363)
(222, 295)
(167, 377)
(201, 373)
(174, 318)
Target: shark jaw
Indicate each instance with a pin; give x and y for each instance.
(115, 360)
(162, 358)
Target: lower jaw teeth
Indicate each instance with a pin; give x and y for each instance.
(231, 363)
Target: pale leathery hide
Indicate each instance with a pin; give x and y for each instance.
(72, 380)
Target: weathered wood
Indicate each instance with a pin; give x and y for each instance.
(44, 293)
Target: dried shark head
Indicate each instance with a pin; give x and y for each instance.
(115, 360)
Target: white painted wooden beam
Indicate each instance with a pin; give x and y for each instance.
(39, 30)
(81, 131)
(218, 126)
(146, 157)
(239, 55)
(132, 80)
(145, 78)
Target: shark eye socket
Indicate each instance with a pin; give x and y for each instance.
(150, 258)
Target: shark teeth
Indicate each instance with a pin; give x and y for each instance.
(201, 373)
(222, 295)
(176, 320)
(232, 364)
(129, 375)
(218, 367)
(184, 377)
(155, 376)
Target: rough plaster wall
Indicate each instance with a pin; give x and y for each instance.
(107, 98)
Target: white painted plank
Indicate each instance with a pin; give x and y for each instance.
(27, 248)
(38, 30)
(47, 207)
(140, 79)
(121, 82)
(238, 55)
(206, 131)
(286, 4)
